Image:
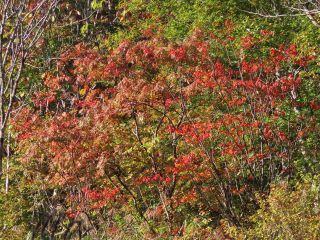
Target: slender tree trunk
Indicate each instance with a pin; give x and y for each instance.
(2, 152)
(7, 165)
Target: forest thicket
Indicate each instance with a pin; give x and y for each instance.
(159, 119)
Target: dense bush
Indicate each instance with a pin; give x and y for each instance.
(287, 213)
(166, 120)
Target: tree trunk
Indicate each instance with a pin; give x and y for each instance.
(2, 153)
(7, 165)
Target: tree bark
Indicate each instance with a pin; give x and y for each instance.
(2, 153)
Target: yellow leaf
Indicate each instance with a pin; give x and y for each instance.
(82, 92)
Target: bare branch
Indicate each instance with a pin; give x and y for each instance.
(21, 26)
(310, 9)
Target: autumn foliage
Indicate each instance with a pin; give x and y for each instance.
(169, 131)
